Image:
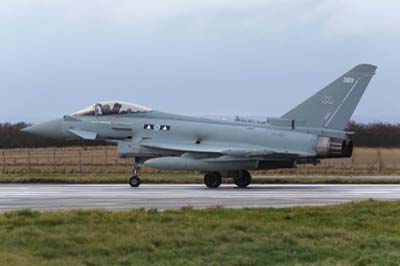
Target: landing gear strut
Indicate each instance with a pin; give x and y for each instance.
(243, 179)
(213, 179)
(134, 181)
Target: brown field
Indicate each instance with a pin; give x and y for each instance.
(93, 160)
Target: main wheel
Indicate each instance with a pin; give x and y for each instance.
(134, 181)
(213, 180)
(243, 179)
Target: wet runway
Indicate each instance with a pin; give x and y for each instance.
(162, 196)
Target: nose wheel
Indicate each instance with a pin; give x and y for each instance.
(134, 181)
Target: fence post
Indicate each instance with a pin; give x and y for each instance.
(4, 162)
(54, 161)
(380, 163)
(80, 162)
(106, 158)
(29, 161)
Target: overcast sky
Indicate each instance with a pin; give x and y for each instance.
(253, 57)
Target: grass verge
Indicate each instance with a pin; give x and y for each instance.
(182, 178)
(366, 233)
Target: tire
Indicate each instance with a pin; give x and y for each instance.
(213, 180)
(134, 181)
(243, 180)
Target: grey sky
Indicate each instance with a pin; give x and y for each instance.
(253, 57)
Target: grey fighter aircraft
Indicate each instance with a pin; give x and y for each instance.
(313, 130)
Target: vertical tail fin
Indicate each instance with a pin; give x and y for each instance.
(333, 106)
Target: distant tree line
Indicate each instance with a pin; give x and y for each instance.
(366, 135)
(375, 134)
(12, 137)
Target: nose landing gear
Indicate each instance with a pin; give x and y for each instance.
(134, 181)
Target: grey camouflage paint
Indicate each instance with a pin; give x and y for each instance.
(175, 142)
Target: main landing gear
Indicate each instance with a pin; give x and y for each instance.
(213, 179)
(134, 181)
(242, 179)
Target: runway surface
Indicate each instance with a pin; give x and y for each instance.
(122, 197)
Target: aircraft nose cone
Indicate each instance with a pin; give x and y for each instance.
(51, 129)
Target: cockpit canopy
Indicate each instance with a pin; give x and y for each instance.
(111, 108)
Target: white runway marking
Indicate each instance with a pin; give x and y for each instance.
(122, 197)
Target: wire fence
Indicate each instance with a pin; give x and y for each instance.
(88, 160)
(64, 160)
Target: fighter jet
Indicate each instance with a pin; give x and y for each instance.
(312, 131)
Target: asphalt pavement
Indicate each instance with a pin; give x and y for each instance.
(166, 196)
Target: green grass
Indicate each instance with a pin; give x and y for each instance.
(182, 178)
(359, 234)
